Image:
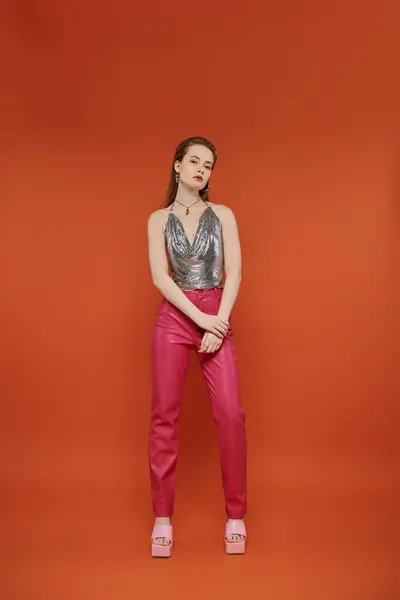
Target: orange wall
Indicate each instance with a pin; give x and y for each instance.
(302, 104)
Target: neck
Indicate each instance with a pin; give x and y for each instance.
(186, 196)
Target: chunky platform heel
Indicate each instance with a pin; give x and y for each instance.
(235, 527)
(157, 550)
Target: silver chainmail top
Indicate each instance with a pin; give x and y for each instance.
(199, 265)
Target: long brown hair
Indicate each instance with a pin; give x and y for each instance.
(180, 152)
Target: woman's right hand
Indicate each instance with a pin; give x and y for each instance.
(214, 324)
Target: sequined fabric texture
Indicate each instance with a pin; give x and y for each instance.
(199, 265)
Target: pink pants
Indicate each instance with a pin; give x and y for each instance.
(174, 336)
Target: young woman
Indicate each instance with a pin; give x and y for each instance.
(198, 243)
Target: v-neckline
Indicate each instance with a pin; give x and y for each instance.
(191, 245)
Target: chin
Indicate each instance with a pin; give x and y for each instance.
(196, 186)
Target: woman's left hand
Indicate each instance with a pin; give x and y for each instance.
(210, 343)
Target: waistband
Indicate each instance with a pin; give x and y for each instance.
(215, 291)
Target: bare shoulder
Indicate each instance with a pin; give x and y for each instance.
(159, 215)
(225, 213)
(158, 218)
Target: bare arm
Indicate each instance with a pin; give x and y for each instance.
(166, 285)
(233, 262)
(159, 268)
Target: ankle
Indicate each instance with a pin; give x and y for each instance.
(163, 521)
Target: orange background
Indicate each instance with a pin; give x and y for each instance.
(301, 99)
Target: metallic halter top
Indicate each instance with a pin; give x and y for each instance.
(199, 265)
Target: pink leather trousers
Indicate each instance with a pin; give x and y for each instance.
(174, 336)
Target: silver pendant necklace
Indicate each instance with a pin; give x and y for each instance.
(187, 207)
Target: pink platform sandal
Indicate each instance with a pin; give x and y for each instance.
(235, 527)
(161, 531)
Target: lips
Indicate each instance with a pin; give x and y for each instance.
(199, 178)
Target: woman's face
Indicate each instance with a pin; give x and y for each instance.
(195, 168)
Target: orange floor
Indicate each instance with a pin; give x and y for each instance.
(305, 542)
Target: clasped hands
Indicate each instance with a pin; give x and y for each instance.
(215, 331)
